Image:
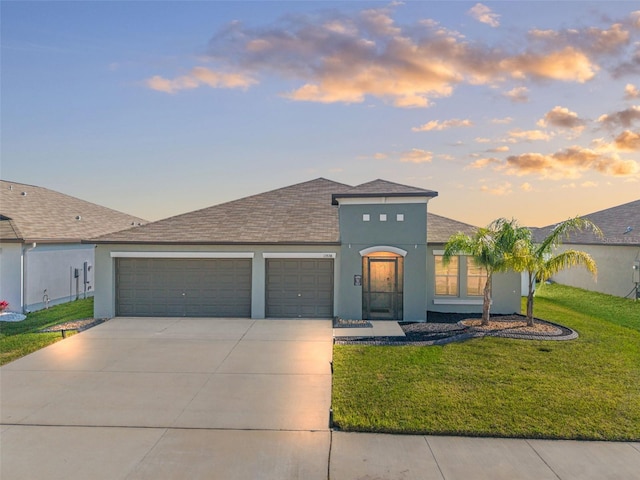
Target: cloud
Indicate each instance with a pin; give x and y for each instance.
(594, 40)
(526, 187)
(500, 190)
(528, 135)
(482, 140)
(502, 121)
(628, 141)
(483, 162)
(569, 163)
(380, 156)
(631, 92)
(623, 118)
(335, 57)
(629, 67)
(568, 65)
(197, 77)
(562, 117)
(500, 149)
(483, 14)
(416, 155)
(588, 184)
(439, 126)
(518, 95)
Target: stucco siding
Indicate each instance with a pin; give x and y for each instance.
(51, 270)
(615, 274)
(506, 297)
(407, 233)
(10, 275)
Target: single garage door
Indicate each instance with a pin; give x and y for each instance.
(173, 287)
(299, 288)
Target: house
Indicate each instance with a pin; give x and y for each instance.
(42, 259)
(617, 253)
(317, 249)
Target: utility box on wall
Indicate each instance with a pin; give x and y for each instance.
(636, 271)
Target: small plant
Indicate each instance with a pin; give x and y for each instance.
(3, 305)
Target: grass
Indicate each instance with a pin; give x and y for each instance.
(18, 339)
(587, 388)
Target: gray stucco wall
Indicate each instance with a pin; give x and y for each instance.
(506, 297)
(614, 264)
(408, 235)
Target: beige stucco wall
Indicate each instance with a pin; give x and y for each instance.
(614, 269)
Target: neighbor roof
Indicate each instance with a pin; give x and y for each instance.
(298, 214)
(36, 214)
(620, 226)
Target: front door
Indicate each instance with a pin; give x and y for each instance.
(382, 287)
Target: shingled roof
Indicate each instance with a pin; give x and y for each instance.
(35, 214)
(383, 187)
(298, 214)
(439, 229)
(620, 226)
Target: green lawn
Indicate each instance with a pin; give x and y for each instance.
(18, 339)
(587, 388)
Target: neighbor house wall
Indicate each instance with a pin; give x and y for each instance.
(49, 270)
(506, 286)
(614, 264)
(408, 235)
(11, 275)
(105, 279)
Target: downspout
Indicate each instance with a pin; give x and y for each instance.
(23, 275)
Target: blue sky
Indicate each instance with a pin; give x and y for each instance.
(517, 109)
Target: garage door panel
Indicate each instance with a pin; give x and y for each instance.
(181, 287)
(299, 288)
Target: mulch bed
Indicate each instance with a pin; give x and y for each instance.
(442, 328)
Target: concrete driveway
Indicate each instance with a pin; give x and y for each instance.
(234, 399)
(171, 398)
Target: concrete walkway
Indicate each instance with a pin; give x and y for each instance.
(233, 399)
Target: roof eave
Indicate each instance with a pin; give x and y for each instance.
(138, 242)
(336, 196)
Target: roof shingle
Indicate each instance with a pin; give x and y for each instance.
(620, 226)
(298, 214)
(31, 213)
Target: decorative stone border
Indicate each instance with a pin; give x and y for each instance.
(444, 333)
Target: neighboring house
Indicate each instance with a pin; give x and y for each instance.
(42, 259)
(617, 253)
(315, 249)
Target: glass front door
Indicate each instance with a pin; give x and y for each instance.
(382, 287)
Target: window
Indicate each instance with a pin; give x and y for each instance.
(476, 278)
(383, 217)
(446, 276)
(400, 217)
(366, 217)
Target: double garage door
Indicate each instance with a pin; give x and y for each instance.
(218, 287)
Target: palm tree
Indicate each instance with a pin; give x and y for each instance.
(539, 261)
(491, 247)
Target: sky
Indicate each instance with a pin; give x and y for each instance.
(525, 110)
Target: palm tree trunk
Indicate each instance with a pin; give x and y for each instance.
(486, 303)
(530, 301)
